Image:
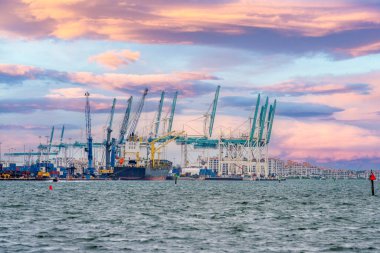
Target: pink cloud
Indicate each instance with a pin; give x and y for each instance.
(190, 83)
(358, 106)
(362, 50)
(115, 59)
(306, 87)
(324, 141)
(186, 22)
(183, 81)
(74, 92)
(18, 70)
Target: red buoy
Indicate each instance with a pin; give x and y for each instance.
(372, 177)
(50, 187)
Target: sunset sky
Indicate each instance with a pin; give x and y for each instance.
(319, 59)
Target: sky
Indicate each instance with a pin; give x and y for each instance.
(318, 59)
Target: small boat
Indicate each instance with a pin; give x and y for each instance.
(55, 179)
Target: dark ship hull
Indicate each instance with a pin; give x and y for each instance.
(128, 173)
(157, 172)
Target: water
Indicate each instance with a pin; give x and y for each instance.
(192, 216)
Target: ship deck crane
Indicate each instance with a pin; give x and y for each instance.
(88, 132)
(109, 131)
(169, 137)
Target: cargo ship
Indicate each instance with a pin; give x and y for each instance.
(133, 172)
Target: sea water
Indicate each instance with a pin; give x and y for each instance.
(191, 216)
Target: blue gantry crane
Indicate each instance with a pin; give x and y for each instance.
(88, 132)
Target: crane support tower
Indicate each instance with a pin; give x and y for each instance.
(88, 132)
(109, 131)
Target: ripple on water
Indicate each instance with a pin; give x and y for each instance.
(137, 216)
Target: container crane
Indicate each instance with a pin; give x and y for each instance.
(109, 131)
(88, 132)
(136, 116)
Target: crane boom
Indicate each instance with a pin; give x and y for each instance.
(137, 114)
(159, 112)
(88, 130)
(51, 138)
(271, 121)
(61, 139)
(215, 103)
(262, 119)
(172, 111)
(109, 131)
(124, 124)
(253, 126)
